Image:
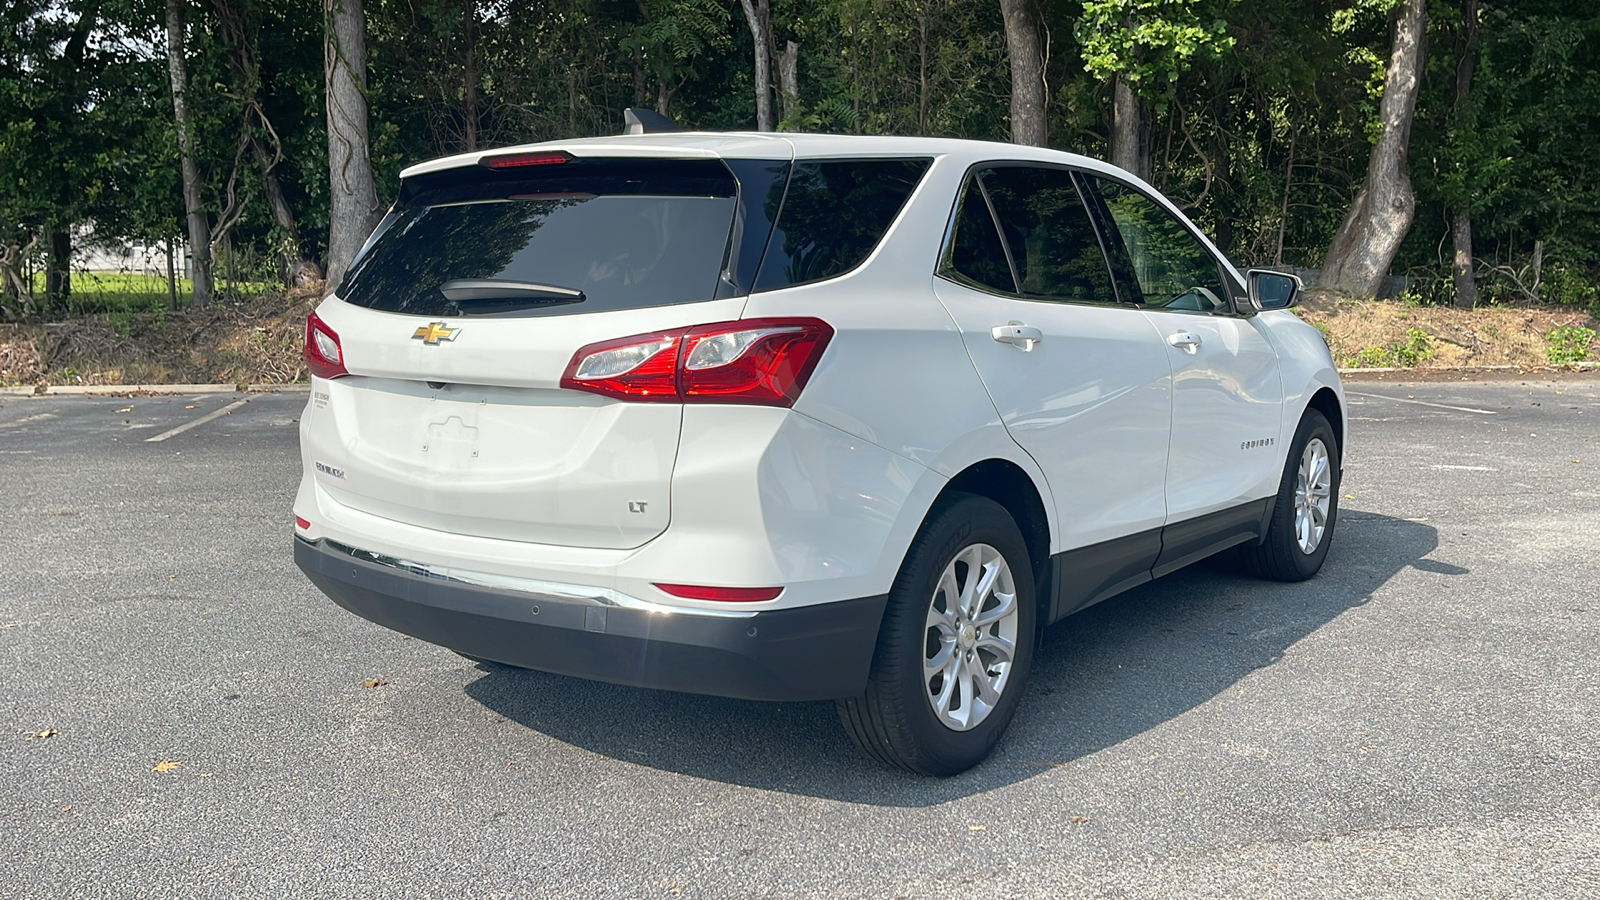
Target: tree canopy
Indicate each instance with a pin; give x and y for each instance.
(1259, 115)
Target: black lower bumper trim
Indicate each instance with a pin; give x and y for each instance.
(806, 653)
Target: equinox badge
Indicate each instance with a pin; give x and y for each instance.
(435, 332)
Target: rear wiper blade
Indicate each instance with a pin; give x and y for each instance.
(500, 292)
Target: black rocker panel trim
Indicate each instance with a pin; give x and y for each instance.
(1087, 575)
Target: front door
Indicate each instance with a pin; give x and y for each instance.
(1227, 399)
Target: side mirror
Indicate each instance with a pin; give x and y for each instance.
(1272, 290)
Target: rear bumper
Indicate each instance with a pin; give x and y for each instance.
(818, 652)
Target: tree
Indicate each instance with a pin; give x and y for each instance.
(1364, 247)
(352, 197)
(1028, 93)
(1461, 215)
(1140, 47)
(194, 208)
(758, 15)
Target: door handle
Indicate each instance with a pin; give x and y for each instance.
(1187, 341)
(1017, 335)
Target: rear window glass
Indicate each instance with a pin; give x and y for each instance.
(834, 213)
(976, 253)
(1052, 240)
(585, 236)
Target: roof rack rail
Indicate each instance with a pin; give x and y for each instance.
(646, 121)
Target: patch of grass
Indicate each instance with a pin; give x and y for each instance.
(131, 292)
(1416, 349)
(1566, 344)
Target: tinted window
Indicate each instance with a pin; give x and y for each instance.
(627, 233)
(1052, 241)
(1170, 268)
(976, 254)
(833, 214)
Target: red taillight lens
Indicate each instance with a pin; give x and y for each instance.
(726, 594)
(758, 361)
(323, 353)
(762, 362)
(301, 524)
(642, 367)
(523, 160)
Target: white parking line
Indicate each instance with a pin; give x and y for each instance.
(26, 419)
(197, 422)
(1486, 412)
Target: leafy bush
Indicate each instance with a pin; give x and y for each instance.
(1566, 344)
(1569, 286)
(1416, 349)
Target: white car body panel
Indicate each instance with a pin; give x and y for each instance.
(504, 474)
(1091, 403)
(1226, 396)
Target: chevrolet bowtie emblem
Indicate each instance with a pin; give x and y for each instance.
(434, 333)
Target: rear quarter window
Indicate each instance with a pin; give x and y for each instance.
(833, 214)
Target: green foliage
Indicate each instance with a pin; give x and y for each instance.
(1263, 110)
(1416, 349)
(1566, 285)
(1150, 42)
(1567, 344)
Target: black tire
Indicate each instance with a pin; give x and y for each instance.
(894, 721)
(1280, 556)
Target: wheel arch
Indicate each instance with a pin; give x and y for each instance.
(1007, 484)
(1325, 401)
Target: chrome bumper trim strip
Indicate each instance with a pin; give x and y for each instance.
(550, 591)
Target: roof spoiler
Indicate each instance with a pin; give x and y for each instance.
(646, 121)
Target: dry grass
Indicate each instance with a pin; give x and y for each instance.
(253, 341)
(1365, 332)
(258, 341)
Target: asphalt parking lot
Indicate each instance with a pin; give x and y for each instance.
(185, 716)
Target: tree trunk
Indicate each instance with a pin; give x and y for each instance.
(1358, 258)
(1023, 45)
(1461, 218)
(922, 70)
(1461, 265)
(12, 281)
(172, 277)
(758, 14)
(789, 76)
(1130, 148)
(352, 199)
(282, 214)
(469, 75)
(58, 263)
(199, 227)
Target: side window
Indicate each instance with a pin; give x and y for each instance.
(975, 253)
(1170, 267)
(1052, 240)
(833, 215)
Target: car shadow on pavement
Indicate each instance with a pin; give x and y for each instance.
(1102, 676)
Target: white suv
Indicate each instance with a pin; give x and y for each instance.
(799, 417)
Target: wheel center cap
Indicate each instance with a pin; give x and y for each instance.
(969, 636)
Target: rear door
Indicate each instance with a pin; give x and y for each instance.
(459, 319)
(1081, 382)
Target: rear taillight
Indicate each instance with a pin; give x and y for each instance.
(324, 356)
(723, 594)
(301, 523)
(762, 362)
